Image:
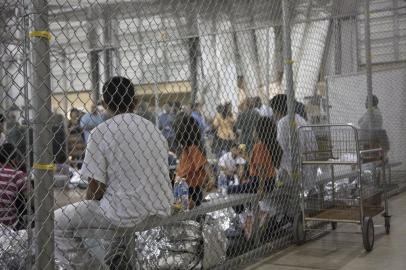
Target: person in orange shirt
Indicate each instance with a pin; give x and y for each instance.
(193, 165)
(265, 159)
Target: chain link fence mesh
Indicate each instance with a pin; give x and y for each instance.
(156, 134)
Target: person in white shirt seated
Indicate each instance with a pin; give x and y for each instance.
(308, 143)
(231, 164)
(126, 164)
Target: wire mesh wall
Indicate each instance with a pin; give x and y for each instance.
(156, 134)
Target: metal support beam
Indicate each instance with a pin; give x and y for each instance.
(108, 51)
(193, 46)
(43, 157)
(290, 92)
(368, 60)
(94, 55)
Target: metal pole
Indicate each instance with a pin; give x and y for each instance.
(93, 55)
(43, 158)
(193, 54)
(108, 45)
(65, 103)
(368, 61)
(28, 144)
(290, 92)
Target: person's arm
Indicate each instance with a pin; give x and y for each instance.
(94, 166)
(95, 190)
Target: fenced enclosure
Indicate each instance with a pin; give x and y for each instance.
(205, 173)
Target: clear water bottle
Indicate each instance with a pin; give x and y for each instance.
(184, 194)
(222, 184)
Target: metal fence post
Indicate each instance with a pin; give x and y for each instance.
(94, 54)
(290, 92)
(43, 175)
(368, 61)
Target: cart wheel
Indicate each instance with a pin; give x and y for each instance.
(334, 225)
(387, 225)
(368, 234)
(299, 233)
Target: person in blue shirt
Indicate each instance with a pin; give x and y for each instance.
(90, 120)
(199, 118)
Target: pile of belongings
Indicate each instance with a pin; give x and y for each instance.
(13, 248)
(174, 246)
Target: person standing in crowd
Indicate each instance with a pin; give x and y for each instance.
(59, 139)
(308, 143)
(373, 117)
(223, 123)
(193, 166)
(197, 115)
(12, 186)
(143, 111)
(300, 109)
(232, 164)
(90, 120)
(246, 122)
(2, 129)
(165, 124)
(126, 164)
(74, 120)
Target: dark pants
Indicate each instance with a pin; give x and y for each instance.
(196, 195)
(250, 187)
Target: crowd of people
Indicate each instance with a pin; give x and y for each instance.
(132, 159)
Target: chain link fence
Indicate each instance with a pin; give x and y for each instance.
(156, 134)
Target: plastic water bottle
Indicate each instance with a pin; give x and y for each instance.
(222, 184)
(184, 194)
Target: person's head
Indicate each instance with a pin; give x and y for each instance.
(279, 105)
(166, 107)
(257, 102)
(375, 102)
(8, 154)
(228, 109)
(118, 95)
(187, 131)
(196, 107)
(300, 109)
(186, 109)
(176, 107)
(266, 132)
(74, 113)
(93, 108)
(235, 150)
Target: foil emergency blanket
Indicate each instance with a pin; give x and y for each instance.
(13, 248)
(175, 246)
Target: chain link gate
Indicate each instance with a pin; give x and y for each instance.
(163, 134)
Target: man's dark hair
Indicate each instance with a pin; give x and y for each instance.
(257, 102)
(375, 101)
(7, 153)
(118, 94)
(187, 131)
(73, 110)
(300, 109)
(1, 118)
(279, 103)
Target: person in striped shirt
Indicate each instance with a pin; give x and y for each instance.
(12, 185)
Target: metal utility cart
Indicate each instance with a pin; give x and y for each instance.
(356, 199)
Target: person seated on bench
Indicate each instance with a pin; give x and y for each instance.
(265, 159)
(193, 165)
(126, 164)
(231, 165)
(13, 188)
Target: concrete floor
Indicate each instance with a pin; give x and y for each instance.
(343, 249)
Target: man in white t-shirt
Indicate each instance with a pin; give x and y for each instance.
(307, 142)
(126, 166)
(231, 164)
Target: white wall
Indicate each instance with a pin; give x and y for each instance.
(347, 97)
